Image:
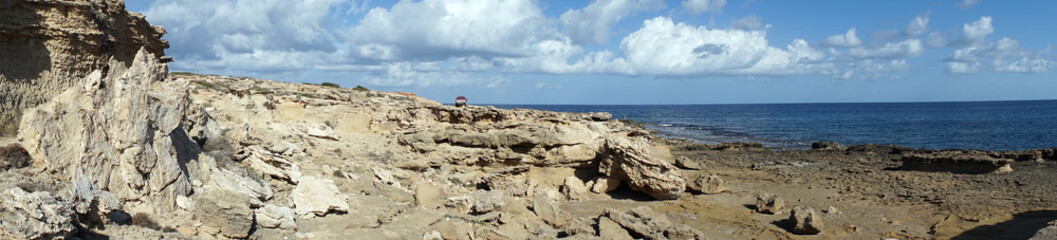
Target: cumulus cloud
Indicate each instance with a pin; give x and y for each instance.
(217, 32)
(591, 25)
(976, 31)
(663, 47)
(966, 4)
(1004, 55)
(917, 26)
(848, 39)
(997, 55)
(701, 6)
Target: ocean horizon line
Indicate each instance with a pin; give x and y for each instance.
(776, 103)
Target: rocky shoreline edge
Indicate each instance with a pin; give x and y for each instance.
(112, 145)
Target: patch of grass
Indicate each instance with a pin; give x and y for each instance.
(330, 84)
(360, 88)
(206, 84)
(182, 73)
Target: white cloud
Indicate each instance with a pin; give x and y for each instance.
(976, 31)
(997, 55)
(848, 39)
(700, 6)
(432, 30)
(904, 49)
(591, 25)
(966, 4)
(663, 47)
(218, 32)
(1024, 65)
(917, 26)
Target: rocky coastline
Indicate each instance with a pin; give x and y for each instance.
(114, 146)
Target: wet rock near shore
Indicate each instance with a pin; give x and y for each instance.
(956, 162)
(825, 145)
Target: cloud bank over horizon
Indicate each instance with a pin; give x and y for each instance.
(462, 42)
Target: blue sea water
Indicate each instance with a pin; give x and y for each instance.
(1004, 125)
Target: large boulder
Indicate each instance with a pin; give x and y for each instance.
(629, 159)
(37, 215)
(122, 129)
(49, 46)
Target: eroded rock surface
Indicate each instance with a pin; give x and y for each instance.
(49, 46)
(957, 162)
(123, 131)
(36, 215)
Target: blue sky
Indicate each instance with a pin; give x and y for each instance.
(627, 51)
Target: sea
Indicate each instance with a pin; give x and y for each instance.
(997, 125)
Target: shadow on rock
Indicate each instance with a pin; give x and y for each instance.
(1023, 226)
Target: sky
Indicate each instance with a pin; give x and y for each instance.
(627, 51)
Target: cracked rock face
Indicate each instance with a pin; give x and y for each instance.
(37, 215)
(122, 130)
(49, 46)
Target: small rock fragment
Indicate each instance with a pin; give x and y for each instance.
(580, 226)
(226, 211)
(805, 220)
(316, 196)
(603, 184)
(710, 184)
(548, 211)
(574, 189)
(274, 216)
(681, 231)
(769, 203)
(608, 229)
(487, 201)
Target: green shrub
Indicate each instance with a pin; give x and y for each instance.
(360, 88)
(13, 156)
(181, 73)
(330, 84)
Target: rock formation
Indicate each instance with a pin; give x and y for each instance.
(48, 46)
(123, 131)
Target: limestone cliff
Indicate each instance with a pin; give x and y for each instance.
(48, 46)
